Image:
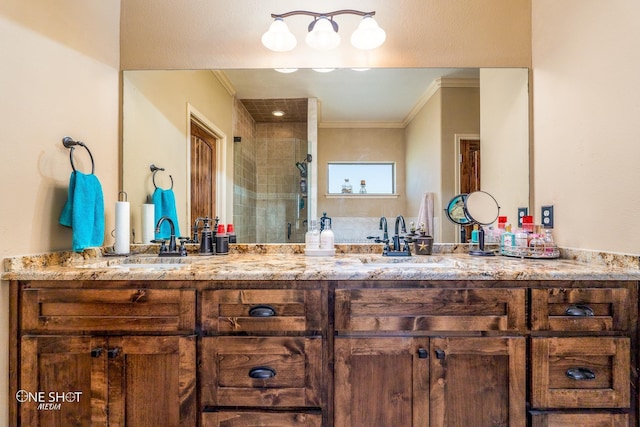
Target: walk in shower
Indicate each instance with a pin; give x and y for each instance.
(270, 191)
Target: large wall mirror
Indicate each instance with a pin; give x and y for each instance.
(446, 131)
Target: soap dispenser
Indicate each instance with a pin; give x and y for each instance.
(206, 237)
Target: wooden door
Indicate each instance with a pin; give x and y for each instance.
(63, 381)
(152, 381)
(381, 382)
(478, 382)
(469, 171)
(203, 173)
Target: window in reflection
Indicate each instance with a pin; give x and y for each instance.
(361, 178)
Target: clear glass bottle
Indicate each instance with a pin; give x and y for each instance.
(312, 236)
(363, 186)
(346, 187)
(549, 244)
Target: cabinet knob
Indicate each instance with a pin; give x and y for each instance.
(579, 311)
(262, 311)
(262, 372)
(113, 352)
(422, 353)
(581, 374)
(96, 352)
(440, 354)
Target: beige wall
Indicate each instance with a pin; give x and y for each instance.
(60, 76)
(504, 136)
(155, 131)
(431, 149)
(586, 63)
(361, 145)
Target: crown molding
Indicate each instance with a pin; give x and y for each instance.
(437, 84)
(225, 82)
(361, 125)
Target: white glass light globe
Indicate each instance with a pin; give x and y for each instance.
(323, 36)
(278, 38)
(368, 35)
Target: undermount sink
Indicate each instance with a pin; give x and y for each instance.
(407, 262)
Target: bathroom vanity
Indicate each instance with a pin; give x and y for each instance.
(345, 341)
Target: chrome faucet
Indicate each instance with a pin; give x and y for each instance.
(396, 237)
(383, 226)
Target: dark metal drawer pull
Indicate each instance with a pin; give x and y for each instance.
(440, 354)
(422, 353)
(96, 352)
(113, 352)
(262, 311)
(581, 374)
(262, 372)
(579, 311)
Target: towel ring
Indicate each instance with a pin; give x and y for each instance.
(155, 169)
(69, 143)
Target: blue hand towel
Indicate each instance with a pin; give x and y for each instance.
(84, 211)
(165, 205)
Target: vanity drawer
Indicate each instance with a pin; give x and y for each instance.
(584, 309)
(104, 310)
(263, 419)
(261, 310)
(582, 419)
(430, 310)
(262, 371)
(580, 372)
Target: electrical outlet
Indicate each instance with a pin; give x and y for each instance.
(522, 212)
(546, 216)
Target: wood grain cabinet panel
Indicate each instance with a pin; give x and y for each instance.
(430, 310)
(581, 419)
(262, 419)
(581, 372)
(137, 381)
(107, 310)
(261, 310)
(580, 309)
(262, 371)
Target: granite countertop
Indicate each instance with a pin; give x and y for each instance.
(291, 264)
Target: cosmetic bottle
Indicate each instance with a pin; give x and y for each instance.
(474, 234)
(231, 233)
(508, 239)
(312, 236)
(222, 241)
(326, 237)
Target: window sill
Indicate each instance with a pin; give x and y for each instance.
(361, 196)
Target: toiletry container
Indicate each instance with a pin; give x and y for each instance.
(206, 238)
(312, 236)
(326, 237)
(222, 241)
(231, 233)
(508, 239)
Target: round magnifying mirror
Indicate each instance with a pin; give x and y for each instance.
(456, 210)
(480, 207)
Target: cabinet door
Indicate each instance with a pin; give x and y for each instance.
(62, 381)
(381, 382)
(152, 381)
(478, 382)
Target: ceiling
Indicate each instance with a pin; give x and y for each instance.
(345, 96)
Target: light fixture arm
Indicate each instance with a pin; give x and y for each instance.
(318, 15)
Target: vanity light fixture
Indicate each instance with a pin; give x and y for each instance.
(323, 31)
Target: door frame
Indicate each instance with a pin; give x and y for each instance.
(221, 162)
(456, 168)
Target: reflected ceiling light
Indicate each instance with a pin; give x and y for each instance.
(323, 70)
(286, 70)
(361, 69)
(278, 113)
(323, 31)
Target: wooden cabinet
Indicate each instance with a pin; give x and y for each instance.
(454, 378)
(130, 367)
(581, 357)
(263, 350)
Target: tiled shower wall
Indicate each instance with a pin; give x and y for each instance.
(281, 209)
(244, 175)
